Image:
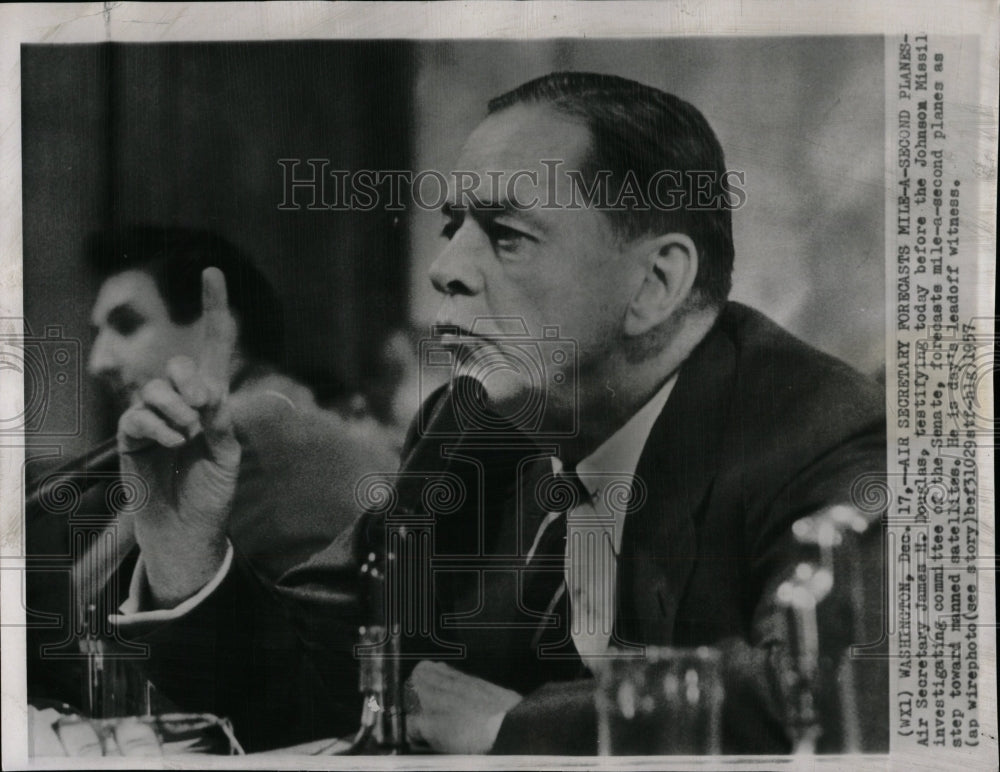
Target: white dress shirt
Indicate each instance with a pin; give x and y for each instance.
(594, 528)
(131, 611)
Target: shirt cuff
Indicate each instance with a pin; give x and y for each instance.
(131, 610)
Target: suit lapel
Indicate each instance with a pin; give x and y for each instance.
(478, 608)
(674, 477)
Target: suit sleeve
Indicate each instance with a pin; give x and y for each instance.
(276, 658)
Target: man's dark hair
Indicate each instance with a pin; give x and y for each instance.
(175, 259)
(639, 129)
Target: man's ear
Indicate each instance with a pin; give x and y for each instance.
(671, 263)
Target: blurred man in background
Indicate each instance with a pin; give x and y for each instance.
(299, 463)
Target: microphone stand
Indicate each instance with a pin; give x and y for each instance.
(824, 601)
(396, 559)
(382, 727)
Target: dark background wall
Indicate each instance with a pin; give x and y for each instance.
(191, 134)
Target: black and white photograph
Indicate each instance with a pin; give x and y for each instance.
(511, 386)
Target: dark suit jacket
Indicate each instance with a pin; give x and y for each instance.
(759, 431)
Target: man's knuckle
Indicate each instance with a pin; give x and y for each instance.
(193, 390)
(179, 363)
(150, 390)
(137, 423)
(126, 422)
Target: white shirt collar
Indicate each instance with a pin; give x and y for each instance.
(620, 453)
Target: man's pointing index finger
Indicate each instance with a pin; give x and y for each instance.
(220, 328)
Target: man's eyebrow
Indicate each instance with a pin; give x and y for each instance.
(490, 210)
(120, 313)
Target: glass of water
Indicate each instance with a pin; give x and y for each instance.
(664, 701)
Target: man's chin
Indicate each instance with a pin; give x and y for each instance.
(499, 399)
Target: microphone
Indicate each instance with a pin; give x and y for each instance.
(101, 458)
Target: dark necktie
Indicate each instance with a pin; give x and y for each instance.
(544, 581)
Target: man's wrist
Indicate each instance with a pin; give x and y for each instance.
(178, 565)
(138, 609)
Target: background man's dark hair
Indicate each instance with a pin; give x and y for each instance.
(641, 129)
(175, 258)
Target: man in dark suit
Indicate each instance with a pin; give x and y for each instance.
(599, 209)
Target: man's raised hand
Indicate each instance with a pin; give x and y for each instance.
(179, 438)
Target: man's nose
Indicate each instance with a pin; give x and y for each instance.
(101, 360)
(455, 271)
